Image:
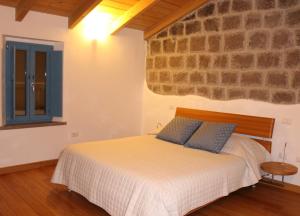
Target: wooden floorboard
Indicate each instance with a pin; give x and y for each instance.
(30, 193)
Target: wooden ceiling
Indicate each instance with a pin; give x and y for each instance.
(150, 16)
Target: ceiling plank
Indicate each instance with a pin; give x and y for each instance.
(23, 8)
(81, 11)
(176, 15)
(134, 11)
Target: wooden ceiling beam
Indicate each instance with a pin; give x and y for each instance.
(189, 6)
(81, 11)
(23, 8)
(133, 12)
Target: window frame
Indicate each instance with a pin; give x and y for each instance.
(31, 49)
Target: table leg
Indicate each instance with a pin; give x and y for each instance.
(282, 179)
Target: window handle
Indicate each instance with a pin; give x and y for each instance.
(33, 86)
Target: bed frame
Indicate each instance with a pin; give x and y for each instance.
(259, 127)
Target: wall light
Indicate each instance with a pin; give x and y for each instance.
(97, 25)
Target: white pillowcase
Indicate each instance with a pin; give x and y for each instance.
(250, 150)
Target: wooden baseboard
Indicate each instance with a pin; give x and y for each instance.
(279, 185)
(29, 166)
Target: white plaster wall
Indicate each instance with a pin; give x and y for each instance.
(159, 108)
(103, 88)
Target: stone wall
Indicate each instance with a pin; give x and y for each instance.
(230, 49)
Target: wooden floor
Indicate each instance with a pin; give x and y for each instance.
(31, 193)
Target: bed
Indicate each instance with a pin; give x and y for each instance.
(146, 176)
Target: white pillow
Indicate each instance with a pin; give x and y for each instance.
(250, 150)
(236, 141)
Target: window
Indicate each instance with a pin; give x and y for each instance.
(33, 83)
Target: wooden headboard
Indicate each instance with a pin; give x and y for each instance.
(249, 125)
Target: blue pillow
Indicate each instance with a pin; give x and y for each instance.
(211, 136)
(179, 130)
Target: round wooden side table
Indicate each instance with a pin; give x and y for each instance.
(279, 168)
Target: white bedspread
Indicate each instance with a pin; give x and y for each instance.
(145, 176)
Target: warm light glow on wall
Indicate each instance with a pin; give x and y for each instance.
(97, 24)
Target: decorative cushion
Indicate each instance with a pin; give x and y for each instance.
(179, 130)
(211, 136)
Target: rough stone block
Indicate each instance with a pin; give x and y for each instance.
(277, 79)
(218, 93)
(204, 61)
(231, 22)
(259, 94)
(234, 41)
(164, 76)
(181, 77)
(268, 60)
(282, 39)
(189, 17)
(293, 59)
(273, 19)
(253, 20)
(236, 93)
(160, 62)
(229, 78)
(156, 89)
(168, 89)
(251, 79)
(223, 6)
(284, 97)
(242, 61)
(155, 47)
(214, 42)
(221, 61)
(293, 18)
(265, 4)
(206, 10)
(149, 63)
(296, 79)
(192, 27)
(212, 24)
(287, 3)
(176, 62)
(212, 78)
(191, 61)
(153, 76)
(182, 45)
(258, 40)
(185, 90)
(241, 5)
(176, 29)
(197, 43)
(297, 37)
(203, 91)
(162, 34)
(196, 78)
(169, 45)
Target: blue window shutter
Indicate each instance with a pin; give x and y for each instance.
(9, 80)
(56, 83)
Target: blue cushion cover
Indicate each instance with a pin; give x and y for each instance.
(211, 136)
(179, 130)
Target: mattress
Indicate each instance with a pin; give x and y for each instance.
(146, 176)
